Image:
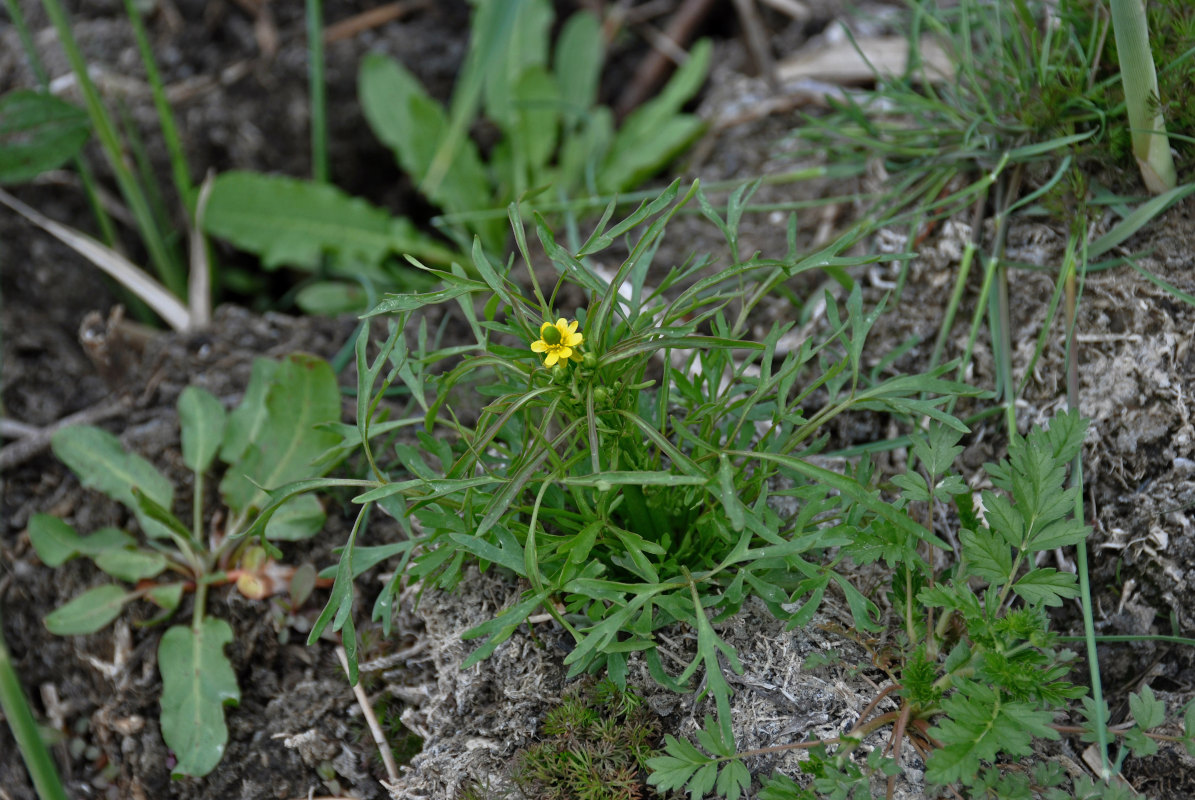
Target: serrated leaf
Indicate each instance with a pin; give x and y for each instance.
(131, 565)
(1148, 711)
(197, 682)
(1046, 585)
(38, 132)
(1004, 519)
(1061, 533)
(295, 223)
(88, 612)
(734, 780)
(988, 556)
(913, 487)
(303, 395)
(201, 418)
(298, 518)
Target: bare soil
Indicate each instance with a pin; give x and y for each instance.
(297, 730)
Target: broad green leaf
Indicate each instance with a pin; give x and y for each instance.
(131, 565)
(38, 132)
(247, 418)
(54, 541)
(100, 461)
(197, 682)
(88, 612)
(201, 418)
(656, 132)
(509, 37)
(298, 518)
(414, 126)
(302, 395)
(578, 64)
(291, 222)
(535, 126)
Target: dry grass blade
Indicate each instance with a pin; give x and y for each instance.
(132, 277)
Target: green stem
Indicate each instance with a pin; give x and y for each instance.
(317, 90)
(1139, 77)
(199, 608)
(170, 135)
(42, 770)
(197, 511)
(1072, 400)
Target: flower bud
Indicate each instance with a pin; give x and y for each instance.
(589, 361)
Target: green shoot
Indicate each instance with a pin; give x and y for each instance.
(1151, 147)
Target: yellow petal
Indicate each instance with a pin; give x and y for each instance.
(562, 325)
(572, 340)
(552, 358)
(564, 352)
(539, 346)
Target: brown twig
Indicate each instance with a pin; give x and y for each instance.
(656, 65)
(373, 18)
(33, 440)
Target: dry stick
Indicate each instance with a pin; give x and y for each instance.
(757, 41)
(33, 440)
(373, 18)
(371, 720)
(656, 64)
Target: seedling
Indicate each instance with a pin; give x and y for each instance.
(271, 438)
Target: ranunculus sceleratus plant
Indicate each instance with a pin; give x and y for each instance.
(618, 443)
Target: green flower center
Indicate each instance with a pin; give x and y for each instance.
(551, 336)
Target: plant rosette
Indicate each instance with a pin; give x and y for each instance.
(276, 435)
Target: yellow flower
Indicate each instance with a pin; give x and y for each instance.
(557, 341)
